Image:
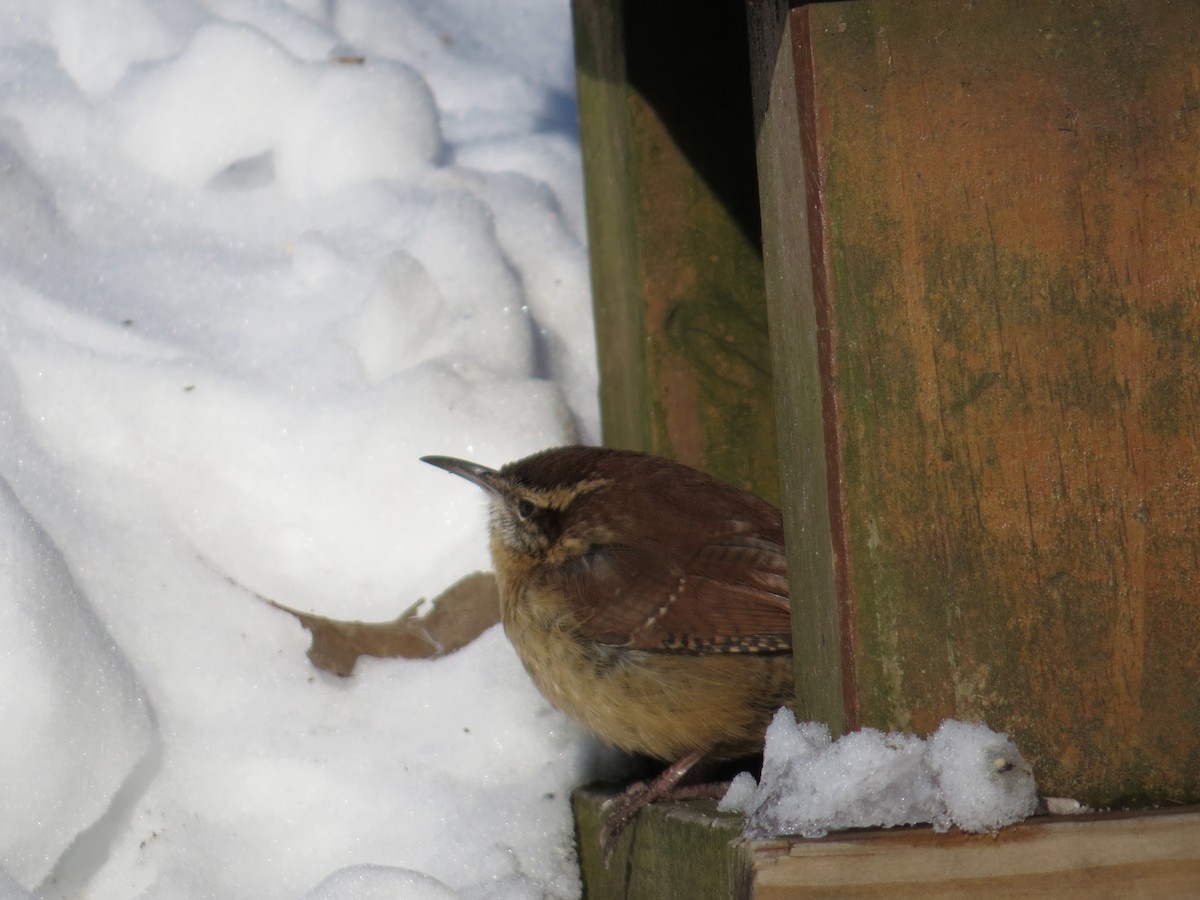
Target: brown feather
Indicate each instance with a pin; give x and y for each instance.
(692, 584)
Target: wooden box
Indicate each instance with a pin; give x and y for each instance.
(980, 267)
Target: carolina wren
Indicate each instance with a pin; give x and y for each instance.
(647, 600)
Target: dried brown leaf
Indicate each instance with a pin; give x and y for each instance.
(460, 614)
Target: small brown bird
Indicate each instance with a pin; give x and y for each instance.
(647, 600)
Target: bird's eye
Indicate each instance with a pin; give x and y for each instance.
(526, 508)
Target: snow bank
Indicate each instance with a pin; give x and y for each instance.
(256, 258)
(75, 721)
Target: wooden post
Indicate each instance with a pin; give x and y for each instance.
(986, 241)
(667, 137)
(800, 349)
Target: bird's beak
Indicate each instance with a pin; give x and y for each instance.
(486, 478)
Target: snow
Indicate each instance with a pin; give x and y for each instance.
(964, 775)
(256, 258)
(73, 740)
(985, 782)
(379, 883)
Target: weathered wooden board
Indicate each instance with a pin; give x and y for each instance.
(689, 850)
(1146, 856)
(799, 348)
(673, 850)
(667, 137)
(988, 246)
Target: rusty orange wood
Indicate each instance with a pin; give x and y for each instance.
(987, 252)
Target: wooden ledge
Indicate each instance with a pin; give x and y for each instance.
(671, 850)
(690, 850)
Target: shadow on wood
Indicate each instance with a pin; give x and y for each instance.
(668, 146)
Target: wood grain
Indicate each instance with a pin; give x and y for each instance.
(666, 134)
(821, 616)
(689, 850)
(1148, 856)
(1004, 252)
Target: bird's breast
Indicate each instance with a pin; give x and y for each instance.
(663, 705)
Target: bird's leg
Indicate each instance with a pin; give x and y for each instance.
(626, 805)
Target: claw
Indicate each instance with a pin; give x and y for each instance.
(638, 787)
(626, 805)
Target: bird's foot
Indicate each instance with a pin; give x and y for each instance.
(623, 808)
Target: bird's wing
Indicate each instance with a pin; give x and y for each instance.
(728, 594)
